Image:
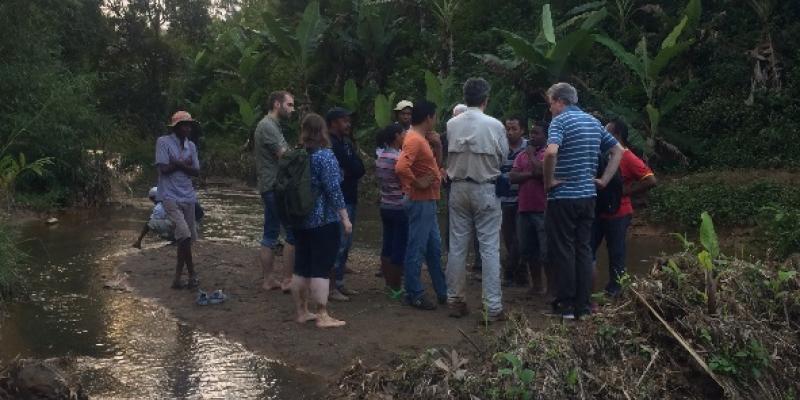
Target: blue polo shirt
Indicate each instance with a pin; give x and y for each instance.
(581, 139)
(176, 186)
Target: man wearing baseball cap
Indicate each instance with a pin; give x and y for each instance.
(344, 148)
(177, 162)
(402, 113)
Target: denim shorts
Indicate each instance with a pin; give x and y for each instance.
(272, 223)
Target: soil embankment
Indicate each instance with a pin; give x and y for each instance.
(378, 329)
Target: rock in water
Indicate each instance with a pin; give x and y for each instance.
(52, 221)
(37, 379)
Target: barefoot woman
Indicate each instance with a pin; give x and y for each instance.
(317, 241)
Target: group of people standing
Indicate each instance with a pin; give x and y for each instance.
(534, 187)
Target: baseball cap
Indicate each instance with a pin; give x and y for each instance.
(153, 192)
(403, 104)
(336, 113)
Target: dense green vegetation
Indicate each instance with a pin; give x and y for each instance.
(706, 85)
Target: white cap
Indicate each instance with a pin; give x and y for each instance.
(153, 192)
(403, 104)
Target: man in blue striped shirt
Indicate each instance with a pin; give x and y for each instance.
(574, 144)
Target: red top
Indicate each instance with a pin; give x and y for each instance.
(632, 169)
(532, 197)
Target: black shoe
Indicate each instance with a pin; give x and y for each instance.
(422, 303)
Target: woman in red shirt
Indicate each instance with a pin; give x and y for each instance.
(637, 178)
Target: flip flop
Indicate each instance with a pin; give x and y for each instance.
(202, 298)
(217, 297)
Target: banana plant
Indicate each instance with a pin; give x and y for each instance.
(549, 52)
(12, 167)
(298, 46)
(648, 70)
(383, 109)
(440, 91)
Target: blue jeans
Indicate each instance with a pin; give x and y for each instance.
(272, 223)
(614, 230)
(423, 241)
(344, 247)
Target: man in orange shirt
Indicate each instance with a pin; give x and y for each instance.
(419, 174)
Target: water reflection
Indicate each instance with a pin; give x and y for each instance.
(125, 347)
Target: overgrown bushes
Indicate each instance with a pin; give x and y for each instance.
(660, 340)
(733, 201)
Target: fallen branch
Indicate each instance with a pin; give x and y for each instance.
(680, 339)
(650, 364)
(471, 342)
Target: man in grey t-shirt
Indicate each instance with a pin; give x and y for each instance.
(269, 146)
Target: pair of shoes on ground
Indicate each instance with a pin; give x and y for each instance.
(204, 298)
(567, 313)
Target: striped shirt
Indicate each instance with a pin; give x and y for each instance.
(581, 139)
(391, 189)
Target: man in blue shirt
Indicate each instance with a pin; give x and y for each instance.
(177, 162)
(575, 142)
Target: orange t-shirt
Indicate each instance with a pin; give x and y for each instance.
(416, 161)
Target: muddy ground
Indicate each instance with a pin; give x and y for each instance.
(378, 328)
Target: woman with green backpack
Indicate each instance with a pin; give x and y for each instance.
(317, 238)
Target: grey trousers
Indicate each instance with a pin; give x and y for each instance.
(475, 206)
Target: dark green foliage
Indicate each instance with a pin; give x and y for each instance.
(679, 202)
(108, 73)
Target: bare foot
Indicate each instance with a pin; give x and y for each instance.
(329, 322)
(271, 285)
(306, 317)
(286, 286)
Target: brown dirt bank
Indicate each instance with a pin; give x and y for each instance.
(378, 329)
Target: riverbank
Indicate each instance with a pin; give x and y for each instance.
(378, 329)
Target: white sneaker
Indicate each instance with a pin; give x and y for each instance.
(336, 295)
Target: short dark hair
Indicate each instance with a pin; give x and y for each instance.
(279, 96)
(388, 134)
(421, 111)
(523, 122)
(476, 91)
(621, 129)
(543, 125)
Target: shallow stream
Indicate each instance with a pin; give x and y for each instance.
(126, 347)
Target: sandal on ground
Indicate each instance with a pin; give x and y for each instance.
(217, 297)
(202, 298)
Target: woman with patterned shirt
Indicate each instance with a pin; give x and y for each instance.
(317, 242)
(393, 214)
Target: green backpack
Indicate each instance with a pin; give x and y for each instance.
(294, 196)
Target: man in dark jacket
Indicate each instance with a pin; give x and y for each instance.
(339, 128)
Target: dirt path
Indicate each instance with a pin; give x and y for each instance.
(378, 329)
